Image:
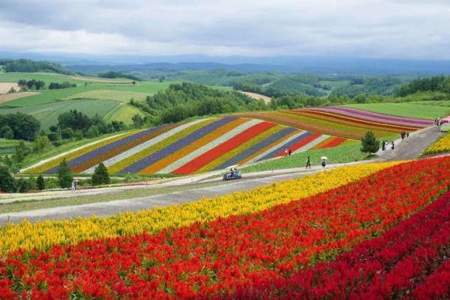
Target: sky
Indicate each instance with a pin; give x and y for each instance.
(406, 29)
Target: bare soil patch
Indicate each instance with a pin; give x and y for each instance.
(257, 96)
(5, 87)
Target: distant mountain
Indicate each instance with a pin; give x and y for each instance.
(289, 64)
(319, 66)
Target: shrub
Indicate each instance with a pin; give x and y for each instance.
(65, 176)
(40, 183)
(369, 143)
(100, 175)
(7, 182)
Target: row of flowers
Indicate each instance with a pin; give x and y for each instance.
(43, 167)
(411, 258)
(207, 159)
(261, 143)
(46, 234)
(440, 146)
(220, 257)
(314, 124)
(354, 121)
(377, 117)
(176, 158)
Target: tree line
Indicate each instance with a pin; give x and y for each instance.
(31, 66)
(39, 84)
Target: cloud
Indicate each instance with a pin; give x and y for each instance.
(370, 28)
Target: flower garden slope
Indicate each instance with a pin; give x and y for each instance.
(215, 258)
(409, 257)
(440, 146)
(45, 234)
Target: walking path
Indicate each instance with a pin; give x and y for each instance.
(411, 147)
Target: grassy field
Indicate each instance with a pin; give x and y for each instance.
(425, 110)
(8, 146)
(347, 152)
(106, 97)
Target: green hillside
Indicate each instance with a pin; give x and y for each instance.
(106, 97)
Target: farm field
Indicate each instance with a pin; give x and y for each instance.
(107, 98)
(196, 146)
(426, 110)
(8, 146)
(440, 146)
(257, 244)
(342, 122)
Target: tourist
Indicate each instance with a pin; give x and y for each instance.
(308, 163)
(393, 145)
(383, 145)
(289, 152)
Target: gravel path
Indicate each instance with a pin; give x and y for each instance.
(411, 147)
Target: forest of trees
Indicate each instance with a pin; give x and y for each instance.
(19, 126)
(432, 84)
(113, 75)
(185, 100)
(26, 65)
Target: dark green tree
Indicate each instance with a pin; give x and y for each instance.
(6, 132)
(21, 152)
(100, 175)
(65, 176)
(40, 183)
(369, 143)
(7, 182)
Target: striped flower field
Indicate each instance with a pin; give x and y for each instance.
(342, 121)
(197, 146)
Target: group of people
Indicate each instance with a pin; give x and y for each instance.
(308, 162)
(287, 152)
(385, 144)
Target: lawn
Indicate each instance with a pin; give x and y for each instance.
(122, 96)
(410, 109)
(348, 152)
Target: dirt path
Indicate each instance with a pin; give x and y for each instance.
(411, 147)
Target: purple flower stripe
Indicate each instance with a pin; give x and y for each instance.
(378, 117)
(199, 133)
(275, 152)
(255, 148)
(105, 149)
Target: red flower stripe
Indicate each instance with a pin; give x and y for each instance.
(229, 145)
(304, 142)
(331, 142)
(388, 267)
(221, 257)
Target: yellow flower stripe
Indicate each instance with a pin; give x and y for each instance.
(440, 146)
(157, 147)
(48, 233)
(226, 156)
(192, 147)
(81, 151)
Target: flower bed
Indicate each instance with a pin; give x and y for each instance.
(45, 234)
(441, 146)
(411, 258)
(217, 258)
(223, 148)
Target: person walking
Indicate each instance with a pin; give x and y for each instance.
(308, 163)
(393, 145)
(289, 152)
(383, 145)
(74, 186)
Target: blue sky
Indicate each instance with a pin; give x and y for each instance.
(407, 29)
